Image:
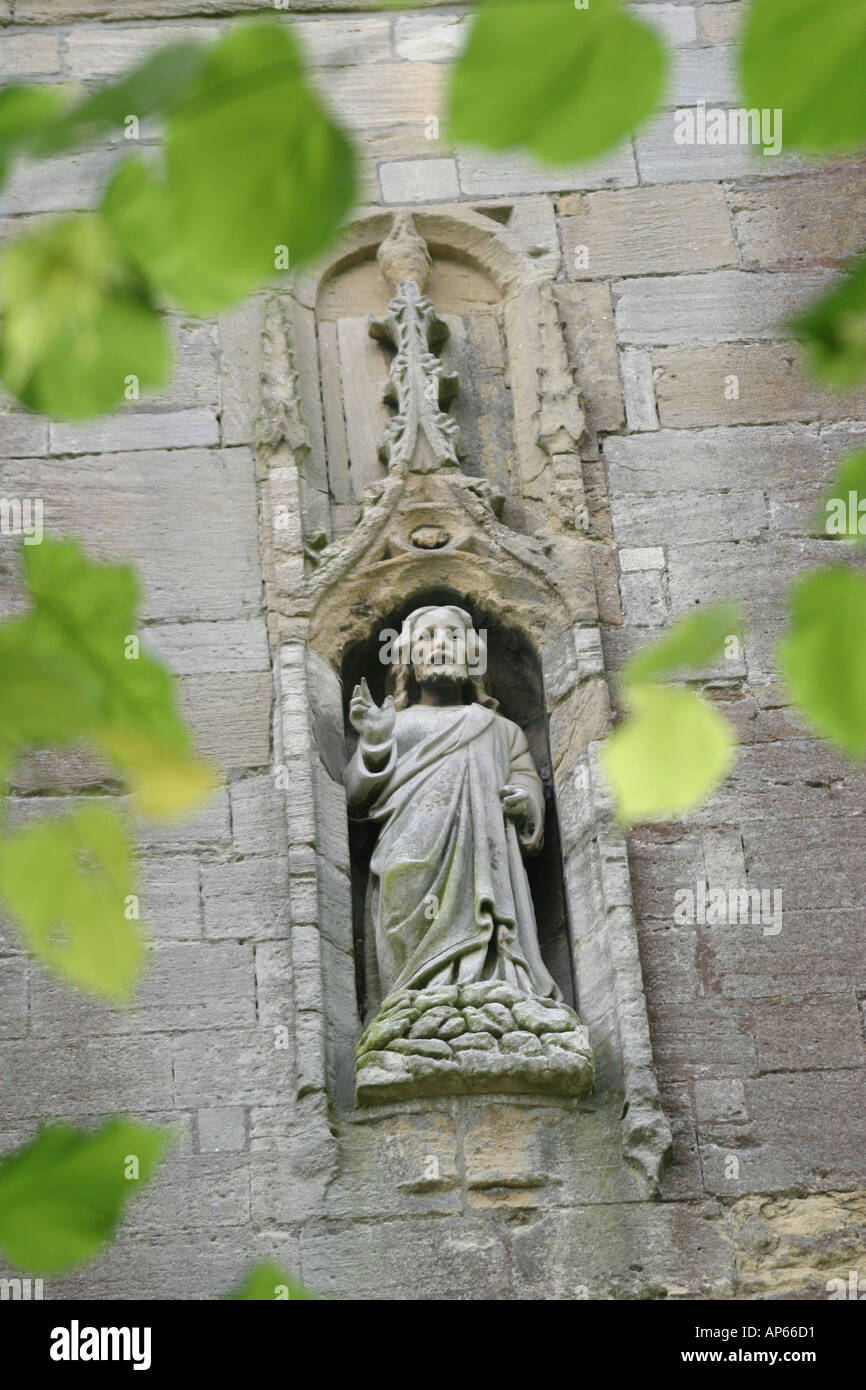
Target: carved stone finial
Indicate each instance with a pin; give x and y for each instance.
(403, 254)
(421, 435)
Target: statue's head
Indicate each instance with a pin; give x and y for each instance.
(438, 646)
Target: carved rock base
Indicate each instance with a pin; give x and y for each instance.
(465, 1039)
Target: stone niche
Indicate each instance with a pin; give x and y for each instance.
(420, 444)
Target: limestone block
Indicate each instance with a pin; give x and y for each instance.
(719, 305)
(788, 1143)
(742, 384)
(793, 1246)
(627, 1250)
(430, 38)
(94, 51)
(816, 220)
(676, 23)
(240, 338)
(13, 997)
(185, 985)
(671, 461)
(234, 1066)
(222, 1129)
(86, 1076)
(29, 55)
(205, 649)
(492, 174)
(641, 522)
(638, 390)
(193, 1193)
(170, 896)
(401, 1163)
(246, 898)
(661, 160)
(212, 1261)
(148, 504)
(419, 181)
(231, 716)
(141, 429)
(519, 1154)
(591, 343)
(258, 810)
(453, 1257)
(640, 230)
(69, 182)
(721, 22)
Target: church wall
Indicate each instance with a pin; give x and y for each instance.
(695, 254)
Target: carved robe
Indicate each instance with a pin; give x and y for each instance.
(448, 899)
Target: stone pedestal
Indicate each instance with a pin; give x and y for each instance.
(472, 1039)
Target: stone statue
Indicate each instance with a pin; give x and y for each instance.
(453, 787)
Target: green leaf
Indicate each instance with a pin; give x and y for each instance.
(562, 82)
(77, 321)
(696, 641)
(807, 60)
(253, 164)
(66, 883)
(843, 512)
(268, 1283)
(25, 114)
(833, 331)
(823, 656)
(62, 1196)
(85, 619)
(156, 86)
(668, 756)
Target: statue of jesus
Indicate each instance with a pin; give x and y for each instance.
(453, 787)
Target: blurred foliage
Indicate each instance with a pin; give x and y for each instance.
(823, 656)
(563, 82)
(62, 1195)
(806, 59)
(674, 747)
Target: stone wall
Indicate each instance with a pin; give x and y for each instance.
(694, 255)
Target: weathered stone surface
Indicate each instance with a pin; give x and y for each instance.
(721, 22)
(813, 220)
(419, 181)
(591, 341)
(222, 1129)
(431, 1042)
(231, 717)
(247, 898)
(149, 504)
(725, 304)
(794, 1245)
(509, 174)
(639, 231)
(742, 385)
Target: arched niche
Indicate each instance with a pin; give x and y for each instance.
(488, 290)
(515, 678)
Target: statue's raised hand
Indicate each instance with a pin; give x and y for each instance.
(374, 724)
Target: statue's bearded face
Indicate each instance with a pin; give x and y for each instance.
(439, 653)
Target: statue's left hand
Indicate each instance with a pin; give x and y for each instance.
(515, 802)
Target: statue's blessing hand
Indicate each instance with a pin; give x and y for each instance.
(374, 724)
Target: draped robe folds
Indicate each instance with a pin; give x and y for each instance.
(448, 898)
